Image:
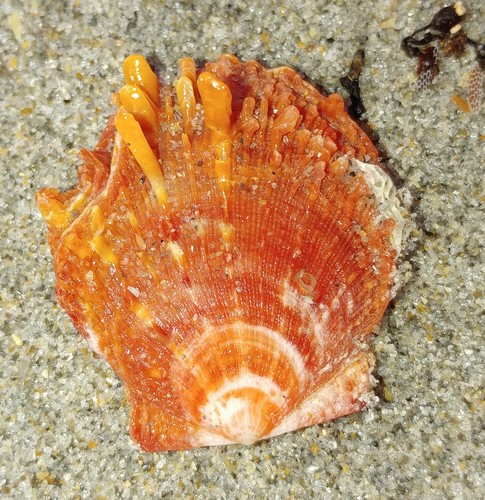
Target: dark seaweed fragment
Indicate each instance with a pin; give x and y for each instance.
(445, 23)
(445, 28)
(350, 82)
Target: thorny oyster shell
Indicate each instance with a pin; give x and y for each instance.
(229, 249)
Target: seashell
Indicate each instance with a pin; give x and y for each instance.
(229, 249)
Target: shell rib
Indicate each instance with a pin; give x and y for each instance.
(229, 249)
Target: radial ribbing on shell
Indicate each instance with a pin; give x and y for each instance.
(229, 249)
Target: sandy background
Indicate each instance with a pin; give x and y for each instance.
(63, 417)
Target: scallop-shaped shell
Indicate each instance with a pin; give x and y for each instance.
(229, 249)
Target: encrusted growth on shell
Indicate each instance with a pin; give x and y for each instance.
(229, 249)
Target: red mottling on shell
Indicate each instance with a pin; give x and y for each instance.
(231, 264)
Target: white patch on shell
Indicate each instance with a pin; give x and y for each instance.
(92, 340)
(317, 314)
(350, 304)
(238, 416)
(134, 291)
(176, 251)
(385, 193)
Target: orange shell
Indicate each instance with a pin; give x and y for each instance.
(229, 249)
